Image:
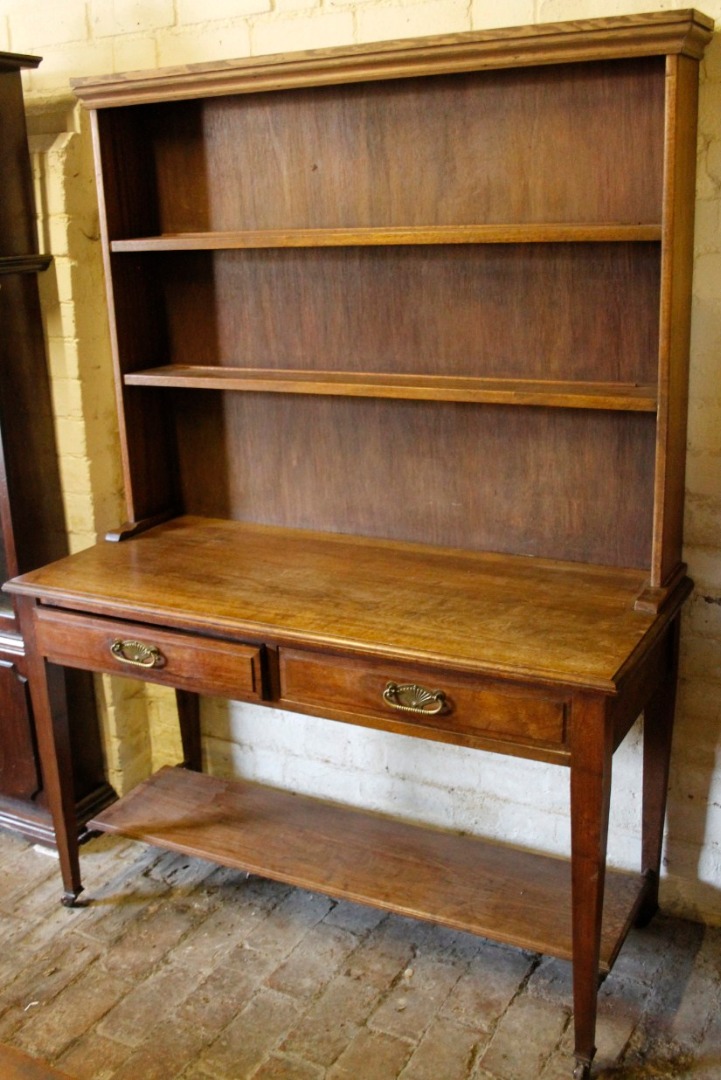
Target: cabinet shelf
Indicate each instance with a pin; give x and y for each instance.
(623, 397)
(503, 894)
(388, 235)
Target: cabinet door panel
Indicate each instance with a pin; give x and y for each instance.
(19, 773)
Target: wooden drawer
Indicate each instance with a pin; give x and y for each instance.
(476, 711)
(185, 661)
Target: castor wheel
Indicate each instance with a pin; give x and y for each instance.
(70, 899)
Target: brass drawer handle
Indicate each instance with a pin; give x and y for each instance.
(414, 698)
(137, 654)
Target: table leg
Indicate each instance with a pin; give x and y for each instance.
(591, 759)
(188, 705)
(658, 716)
(53, 735)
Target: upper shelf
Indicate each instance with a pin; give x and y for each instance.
(393, 235)
(624, 397)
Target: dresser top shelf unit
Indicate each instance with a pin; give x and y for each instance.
(439, 224)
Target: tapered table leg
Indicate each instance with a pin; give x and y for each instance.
(591, 758)
(55, 755)
(657, 734)
(188, 704)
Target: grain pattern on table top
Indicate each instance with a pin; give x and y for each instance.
(510, 614)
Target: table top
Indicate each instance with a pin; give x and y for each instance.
(513, 616)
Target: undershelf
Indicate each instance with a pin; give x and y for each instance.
(510, 896)
(572, 394)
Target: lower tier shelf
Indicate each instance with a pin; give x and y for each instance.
(500, 893)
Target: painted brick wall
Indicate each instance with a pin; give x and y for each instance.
(514, 800)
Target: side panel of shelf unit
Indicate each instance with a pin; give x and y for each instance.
(32, 521)
(677, 269)
(127, 186)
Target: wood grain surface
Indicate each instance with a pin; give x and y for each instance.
(433, 152)
(659, 32)
(505, 894)
(380, 237)
(570, 394)
(520, 616)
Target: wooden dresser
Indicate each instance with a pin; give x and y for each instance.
(401, 346)
(32, 524)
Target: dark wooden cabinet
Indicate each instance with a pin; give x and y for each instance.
(31, 514)
(401, 347)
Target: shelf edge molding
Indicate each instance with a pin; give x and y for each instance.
(362, 236)
(624, 397)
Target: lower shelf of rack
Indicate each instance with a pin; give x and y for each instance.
(506, 895)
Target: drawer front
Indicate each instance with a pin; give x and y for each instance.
(184, 661)
(358, 690)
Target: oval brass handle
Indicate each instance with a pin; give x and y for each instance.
(137, 653)
(414, 698)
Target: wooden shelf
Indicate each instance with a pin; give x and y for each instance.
(384, 236)
(627, 397)
(503, 894)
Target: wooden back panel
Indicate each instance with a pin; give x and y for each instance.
(484, 146)
(534, 481)
(546, 311)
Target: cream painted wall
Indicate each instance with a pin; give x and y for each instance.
(518, 801)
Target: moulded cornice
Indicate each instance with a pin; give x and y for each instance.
(659, 33)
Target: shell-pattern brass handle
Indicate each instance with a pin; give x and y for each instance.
(137, 653)
(414, 698)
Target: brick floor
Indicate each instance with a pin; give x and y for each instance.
(180, 970)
